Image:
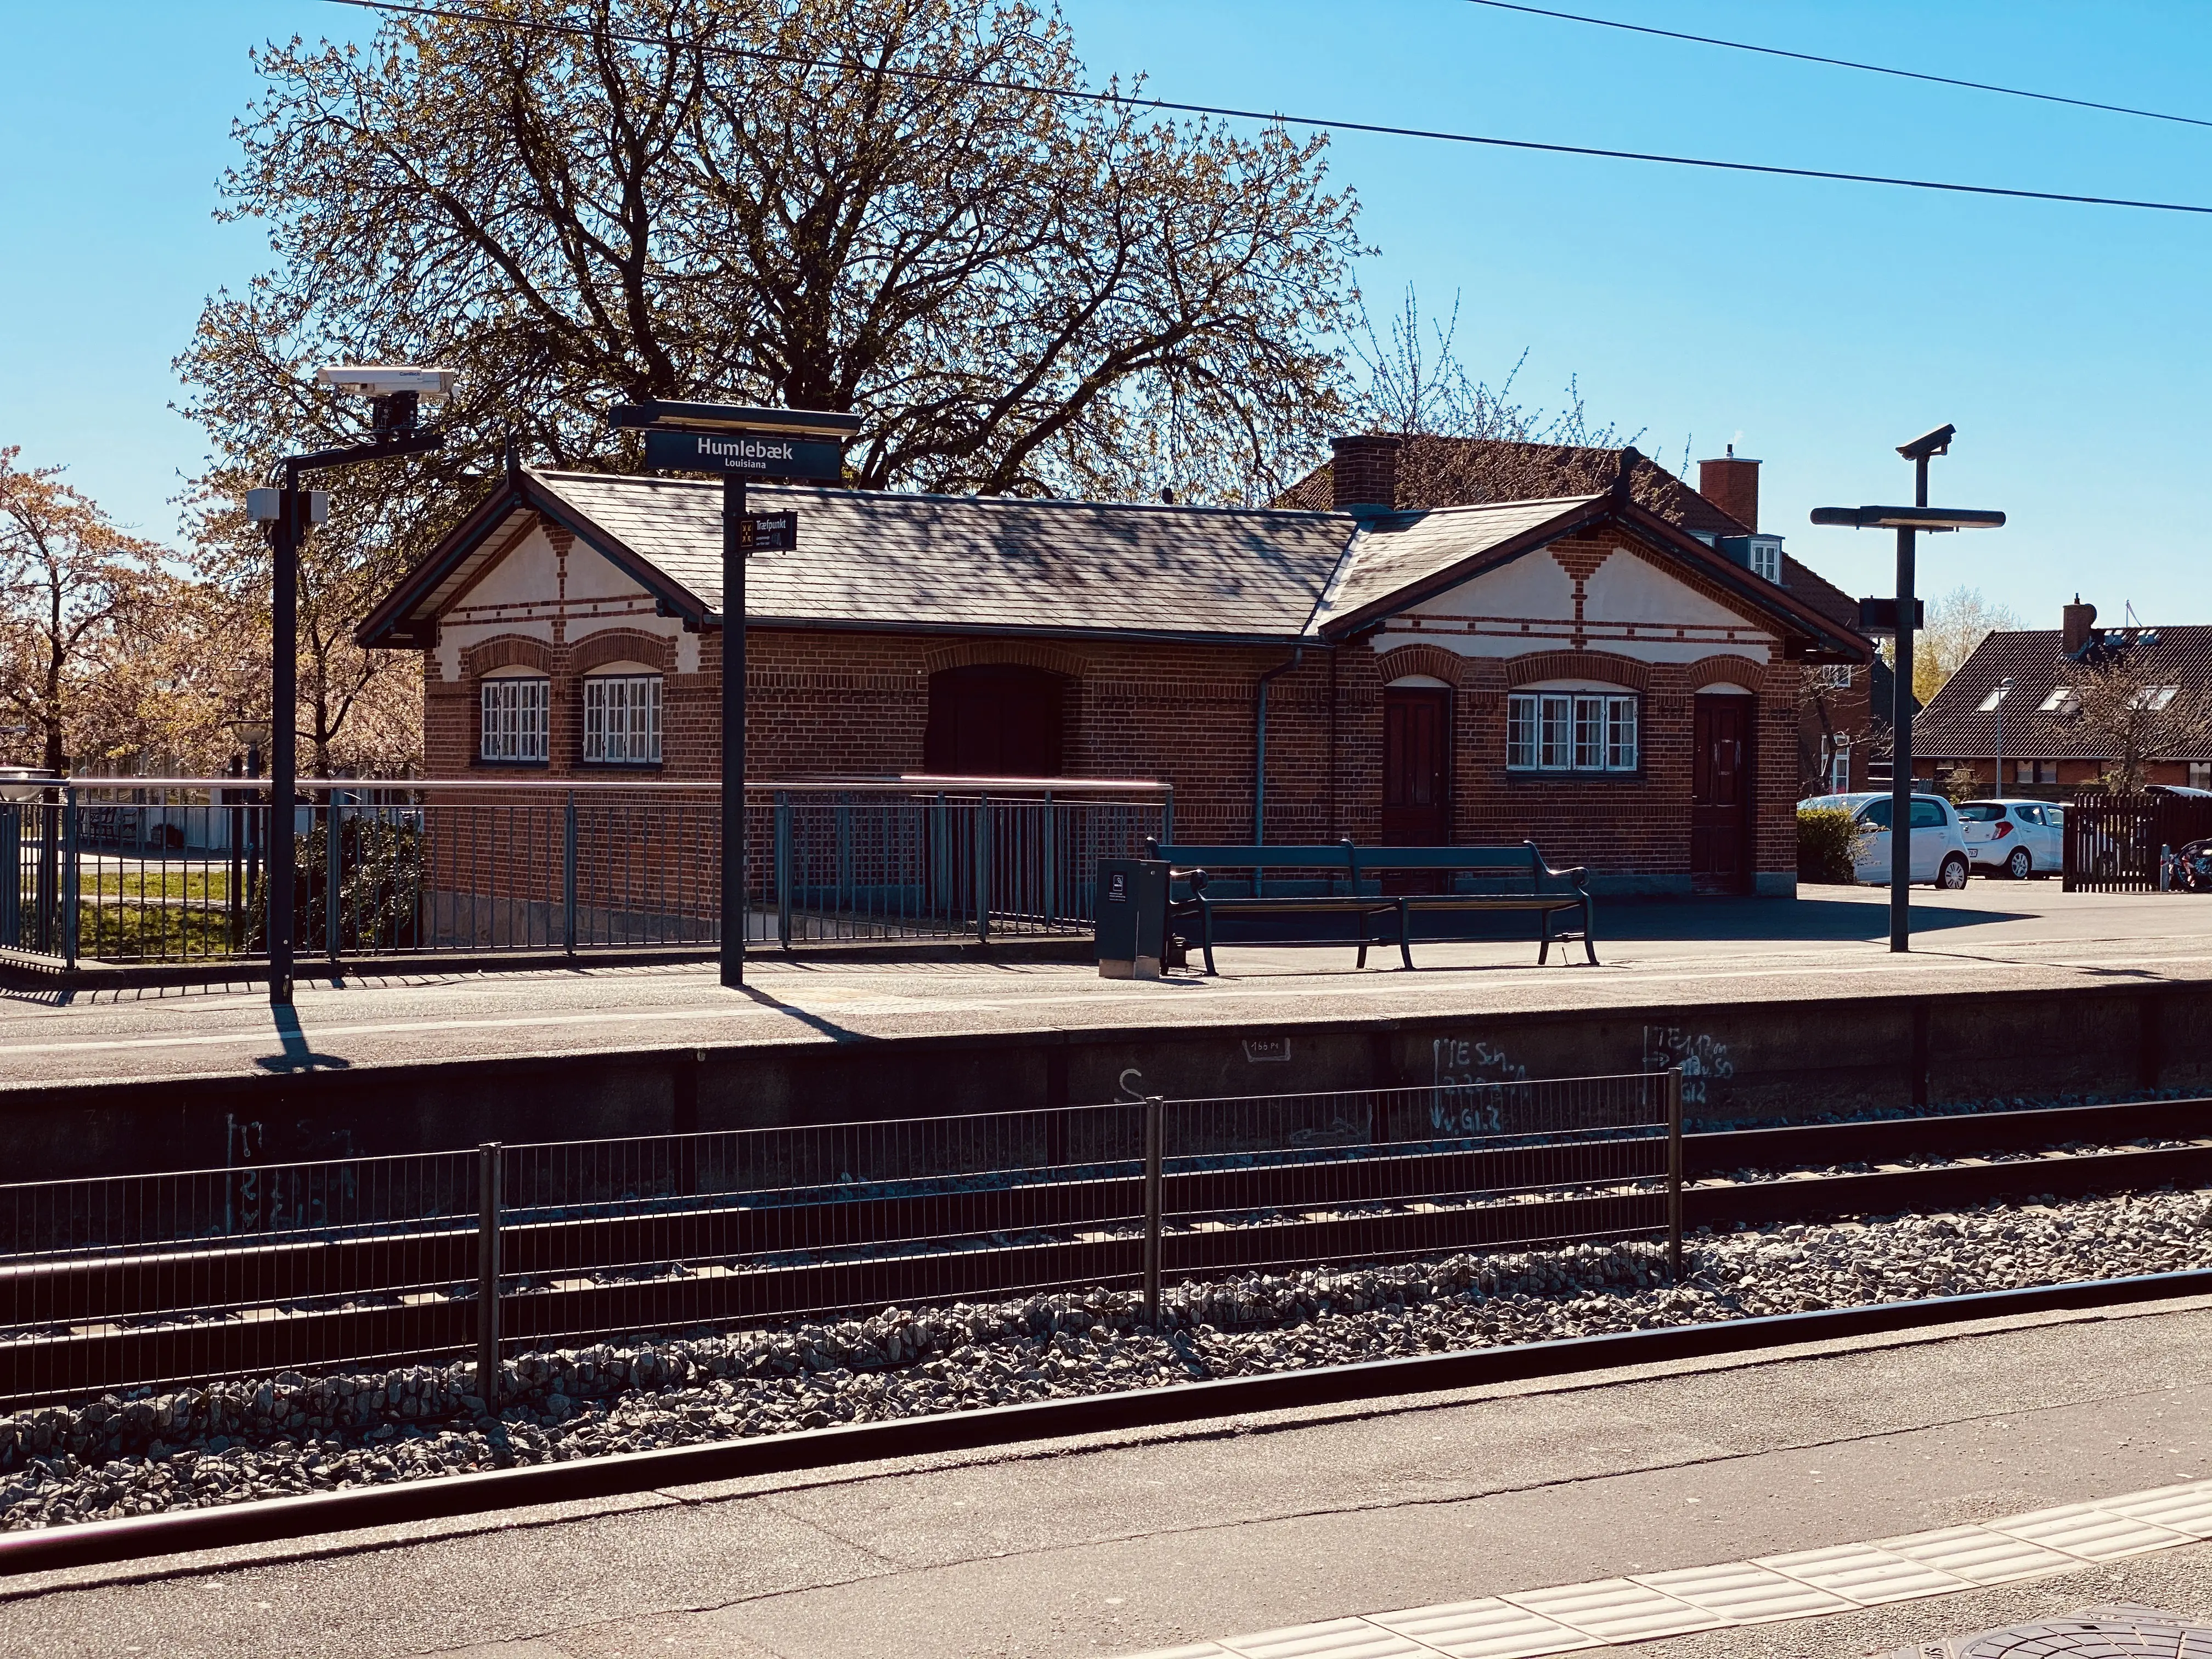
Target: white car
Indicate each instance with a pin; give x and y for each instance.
(1939, 845)
(2022, 838)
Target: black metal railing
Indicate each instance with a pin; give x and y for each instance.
(170, 1279)
(174, 871)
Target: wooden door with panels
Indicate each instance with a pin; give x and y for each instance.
(1416, 778)
(1721, 795)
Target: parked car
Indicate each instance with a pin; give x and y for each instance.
(1939, 844)
(2022, 838)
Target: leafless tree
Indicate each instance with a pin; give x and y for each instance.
(2128, 711)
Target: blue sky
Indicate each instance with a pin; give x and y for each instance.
(1815, 325)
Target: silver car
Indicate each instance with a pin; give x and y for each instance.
(2022, 838)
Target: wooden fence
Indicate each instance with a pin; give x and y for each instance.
(2113, 842)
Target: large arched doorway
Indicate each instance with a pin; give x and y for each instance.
(993, 720)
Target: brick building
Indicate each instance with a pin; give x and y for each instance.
(1577, 670)
(2047, 754)
(1843, 707)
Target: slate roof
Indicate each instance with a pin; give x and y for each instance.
(1954, 727)
(1002, 564)
(1406, 549)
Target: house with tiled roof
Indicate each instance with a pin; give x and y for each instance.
(2047, 751)
(1578, 670)
(1843, 718)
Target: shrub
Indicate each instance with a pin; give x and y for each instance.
(1826, 839)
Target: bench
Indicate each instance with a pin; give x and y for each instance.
(1524, 882)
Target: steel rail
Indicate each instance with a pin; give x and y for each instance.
(865, 1248)
(142, 1537)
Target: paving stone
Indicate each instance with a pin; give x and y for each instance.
(1744, 1593)
(1980, 1556)
(2093, 1534)
(1489, 1629)
(1336, 1639)
(1866, 1574)
(1618, 1610)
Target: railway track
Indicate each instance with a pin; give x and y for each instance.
(79, 1322)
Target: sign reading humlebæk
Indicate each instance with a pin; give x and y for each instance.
(756, 454)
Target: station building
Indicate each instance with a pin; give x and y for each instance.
(1579, 669)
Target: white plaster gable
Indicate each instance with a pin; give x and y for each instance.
(1630, 605)
(591, 577)
(1531, 587)
(1627, 589)
(528, 573)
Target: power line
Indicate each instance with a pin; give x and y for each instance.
(1082, 95)
(1842, 62)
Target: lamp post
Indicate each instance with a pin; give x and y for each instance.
(2004, 691)
(1908, 522)
(396, 393)
(740, 443)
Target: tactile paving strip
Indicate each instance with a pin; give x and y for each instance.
(1803, 1584)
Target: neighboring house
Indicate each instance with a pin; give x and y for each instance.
(1843, 707)
(1579, 670)
(2046, 752)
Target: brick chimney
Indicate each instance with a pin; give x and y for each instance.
(2079, 621)
(1731, 484)
(1363, 472)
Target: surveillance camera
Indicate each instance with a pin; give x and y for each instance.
(383, 380)
(1928, 443)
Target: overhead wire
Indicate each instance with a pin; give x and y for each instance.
(1841, 63)
(1129, 101)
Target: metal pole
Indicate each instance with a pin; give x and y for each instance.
(488, 1274)
(237, 838)
(333, 869)
(1674, 1171)
(1999, 790)
(69, 877)
(284, 757)
(568, 875)
(1153, 1110)
(1900, 780)
(733, 731)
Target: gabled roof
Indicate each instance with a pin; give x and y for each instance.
(1953, 726)
(869, 559)
(1000, 564)
(1401, 559)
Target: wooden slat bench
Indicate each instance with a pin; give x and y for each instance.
(1523, 882)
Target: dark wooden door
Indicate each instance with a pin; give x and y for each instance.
(1721, 795)
(991, 721)
(1416, 767)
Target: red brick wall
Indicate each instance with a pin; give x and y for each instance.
(857, 703)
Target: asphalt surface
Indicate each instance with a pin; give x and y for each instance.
(1832, 942)
(1113, 1544)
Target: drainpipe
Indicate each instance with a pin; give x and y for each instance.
(1259, 752)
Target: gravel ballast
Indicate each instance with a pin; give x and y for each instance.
(145, 1452)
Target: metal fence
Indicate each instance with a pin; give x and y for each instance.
(2113, 842)
(164, 1279)
(141, 870)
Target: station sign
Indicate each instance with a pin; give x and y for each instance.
(753, 454)
(1878, 617)
(769, 532)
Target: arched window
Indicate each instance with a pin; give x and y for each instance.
(621, 715)
(515, 705)
(993, 720)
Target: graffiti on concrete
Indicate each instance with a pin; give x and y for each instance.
(1458, 1064)
(1703, 1061)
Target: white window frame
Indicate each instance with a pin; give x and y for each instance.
(621, 719)
(1767, 560)
(1590, 733)
(1836, 676)
(2062, 701)
(514, 720)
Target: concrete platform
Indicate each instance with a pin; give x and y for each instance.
(1774, 1009)
(1994, 936)
(1118, 1544)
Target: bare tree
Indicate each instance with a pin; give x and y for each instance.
(2128, 711)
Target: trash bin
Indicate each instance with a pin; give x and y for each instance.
(1133, 917)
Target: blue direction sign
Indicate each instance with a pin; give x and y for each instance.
(756, 454)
